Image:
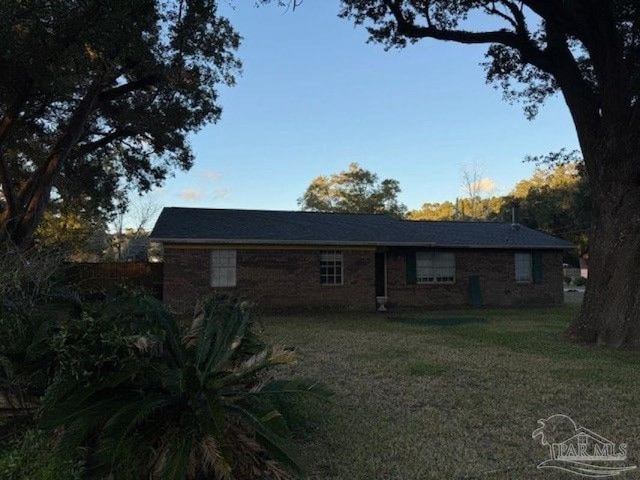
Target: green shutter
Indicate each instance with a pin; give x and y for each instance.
(536, 260)
(474, 291)
(412, 273)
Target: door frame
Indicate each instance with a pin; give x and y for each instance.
(383, 255)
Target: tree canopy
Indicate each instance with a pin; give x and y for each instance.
(73, 235)
(97, 98)
(537, 47)
(435, 211)
(556, 199)
(464, 209)
(587, 51)
(354, 190)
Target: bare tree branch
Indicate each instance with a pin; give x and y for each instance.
(494, 10)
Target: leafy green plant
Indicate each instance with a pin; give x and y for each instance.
(568, 280)
(32, 299)
(105, 336)
(581, 281)
(26, 368)
(27, 277)
(27, 457)
(173, 406)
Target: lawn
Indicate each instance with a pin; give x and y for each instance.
(418, 397)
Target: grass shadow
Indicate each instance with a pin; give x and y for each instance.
(439, 322)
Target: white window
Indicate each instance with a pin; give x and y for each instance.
(435, 267)
(223, 268)
(331, 271)
(523, 267)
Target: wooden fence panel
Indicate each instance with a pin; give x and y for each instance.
(110, 276)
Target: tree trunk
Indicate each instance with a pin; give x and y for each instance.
(34, 194)
(610, 313)
(6, 180)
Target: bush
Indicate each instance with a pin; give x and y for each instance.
(105, 337)
(568, 280)
(27, 278)
(30, 296)
(149, 401)
(581, 281)
(28, 457)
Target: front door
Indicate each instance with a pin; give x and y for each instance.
(381, 274)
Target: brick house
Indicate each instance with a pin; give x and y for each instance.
(310, 260)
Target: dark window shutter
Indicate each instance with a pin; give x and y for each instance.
(474, 291)
(411, 268)
(536, 260)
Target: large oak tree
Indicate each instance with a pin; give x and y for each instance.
(589, 52)
(355, 190)
(97, 97)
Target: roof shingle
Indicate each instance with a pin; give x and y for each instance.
(201, 225)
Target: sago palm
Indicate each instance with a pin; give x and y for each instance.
(196, 406)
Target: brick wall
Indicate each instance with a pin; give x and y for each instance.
(496, 270)
(286, 280)
(278, 280)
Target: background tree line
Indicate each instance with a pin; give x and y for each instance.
(555, 199)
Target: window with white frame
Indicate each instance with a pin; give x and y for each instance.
(223, 268)
(523, 267)
(435, 267)
(331, 270)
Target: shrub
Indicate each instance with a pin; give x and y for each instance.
(105, 337)
(30, 305)
(28, 457)
(150, 402)
(581, 281)
(567, 280)
(27, 278)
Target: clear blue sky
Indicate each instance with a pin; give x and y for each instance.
(314, 96)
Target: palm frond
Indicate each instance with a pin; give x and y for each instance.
(177, 463)
(277, 446)
(297, 386)
(122, 424)
(213, 460)
(197, 406)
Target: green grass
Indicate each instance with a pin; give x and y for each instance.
(417, 397)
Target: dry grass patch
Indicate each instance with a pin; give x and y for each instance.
(456, 400)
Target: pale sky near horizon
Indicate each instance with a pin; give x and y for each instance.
(314, 96)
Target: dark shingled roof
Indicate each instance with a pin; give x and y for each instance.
(202, 225)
